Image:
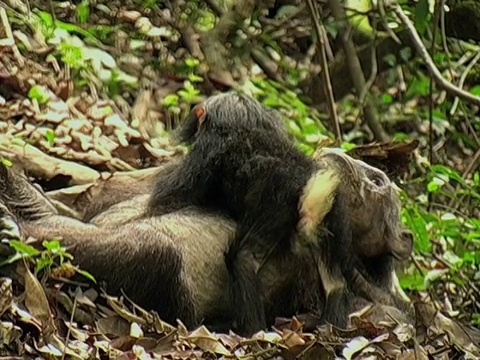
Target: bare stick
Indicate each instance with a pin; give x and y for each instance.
(356, 72)
(463, 77)
(327, 85)
(432, 68)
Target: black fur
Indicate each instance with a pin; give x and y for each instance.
(171, 263)
(171, 296)
(242, 162)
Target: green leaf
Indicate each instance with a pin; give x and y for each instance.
(390, 59)
(401, 137)
(52, 246)
(475, 90)
(46, 18)
(421, 16)
(447, 173)
(192, 63)
(23, 248)
(170, 100)
(294, 128)
(418, 225)
(470, 257)
(83, 12)
(406, 53)
(356, 13)
(420, 86)
(86, 274)
(195, 78)
(387, 99)
(11, 259)
(348, 146)
(436, 184)
(50, 136)
(39, 93)
(473, 236)
(412, 282)
(42, 263)
(5, 162)
(286, 10)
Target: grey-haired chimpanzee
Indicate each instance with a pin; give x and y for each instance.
(174, 263)
(243, 163)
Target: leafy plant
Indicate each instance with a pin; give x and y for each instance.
(455, 232)
(53, 256)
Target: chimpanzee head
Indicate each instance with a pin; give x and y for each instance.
(227, 114)
(370, 203)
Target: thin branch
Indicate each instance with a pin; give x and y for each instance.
(431, 87)
(432, 68)
(472, 165)
(384, 20)
(327, 85)
(463, 77)
(356, 72)
(442, 27)
(373, 74)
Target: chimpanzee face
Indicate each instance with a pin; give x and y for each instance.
(374, 206)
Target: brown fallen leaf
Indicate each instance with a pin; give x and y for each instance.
(205, 340)
(37, 304)
(113, 325)
(355, 346)
(292, 339)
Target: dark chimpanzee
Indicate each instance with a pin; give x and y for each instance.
(242, 162)
(174, 263)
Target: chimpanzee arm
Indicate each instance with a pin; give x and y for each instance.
(23, 199)
(246, 292)
(335, 263)
(270, 214)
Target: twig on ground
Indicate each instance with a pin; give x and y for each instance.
(472, 165)
(43, 166)
(442, 28)
(9, 34)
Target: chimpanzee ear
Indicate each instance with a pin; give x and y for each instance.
(193, 122)
(201, 114)
(317, 200)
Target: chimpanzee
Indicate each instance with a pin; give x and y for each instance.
(174, 263)
(243, 163)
